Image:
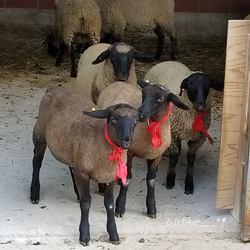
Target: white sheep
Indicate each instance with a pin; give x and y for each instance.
(133, 16)
(146, 144)
(194, 89)
(95, 148)
(102, 64)
(76, 22)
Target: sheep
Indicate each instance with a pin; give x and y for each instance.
(86, 144)
(247, 17)
(76, 22)
(147, 145)
(111, 63)
(194, 89)
(119, 16)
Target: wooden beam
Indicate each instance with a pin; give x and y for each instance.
(230, 166)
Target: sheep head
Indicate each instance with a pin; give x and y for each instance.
(121, 122)
(121, 57)
(156, 99)
(197, 87)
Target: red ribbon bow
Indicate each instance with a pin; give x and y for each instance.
(154, 129)
(121, 171)
(198, 125)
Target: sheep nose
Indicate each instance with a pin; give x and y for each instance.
(126, 144)
(123, 76)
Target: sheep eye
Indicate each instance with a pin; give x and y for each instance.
(160, 100)
(113, 120)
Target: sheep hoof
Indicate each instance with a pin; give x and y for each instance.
(84, 243)
(189, 192)
(153, 216)
(73, 74)
(34, 201)
(119, 215)
(170, 181)
(189, 189)
(115, 242)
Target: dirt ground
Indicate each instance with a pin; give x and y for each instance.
(183, 222)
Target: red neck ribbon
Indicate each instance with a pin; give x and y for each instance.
(121, 171)
(198, 125)
(154, 129)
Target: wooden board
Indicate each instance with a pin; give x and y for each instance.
(230, 166)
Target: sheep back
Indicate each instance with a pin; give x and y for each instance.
(74, 138)
(141, 145)
(137, 16)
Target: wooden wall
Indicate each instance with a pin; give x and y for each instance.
(196, 6)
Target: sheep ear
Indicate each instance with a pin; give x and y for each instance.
(142, 83)
(140, 57)
(217, 85)
(103, 56)
(184, 84)
(98, 113)
(177, 101)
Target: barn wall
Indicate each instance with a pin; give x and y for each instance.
(193, 17)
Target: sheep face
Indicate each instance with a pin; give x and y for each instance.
(121, 57)
(155, 99)
(121, 120)
(197, 87)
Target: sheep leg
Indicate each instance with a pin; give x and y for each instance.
(39, 151)
(121, 199)
(160, 42)
(73, 60)
(85, 203)
(150, 179)
(74, 182)
(174, 152)
(102, 188)
(109, 205)
(189, 184)
(59, 58)
(173, 43)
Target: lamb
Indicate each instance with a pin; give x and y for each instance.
(111, 63)
(76, 22)
(194, 88)
(86, 144)
(133, 16)
(147, 145)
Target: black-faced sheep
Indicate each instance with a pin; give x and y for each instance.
(150, 140)
(139, 16)
(76, 22)
(95, 148)
(191, 125)
(102, 64)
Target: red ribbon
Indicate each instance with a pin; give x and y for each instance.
(121, 171)
(198, 125)
(154, 129)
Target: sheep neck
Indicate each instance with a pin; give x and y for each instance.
(198, 125)
(154, 129)
(121, 171)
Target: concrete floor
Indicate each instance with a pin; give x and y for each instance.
(183, 221)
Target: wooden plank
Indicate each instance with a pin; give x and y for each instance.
(232, 129)
(245, 208)
(244, 142)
